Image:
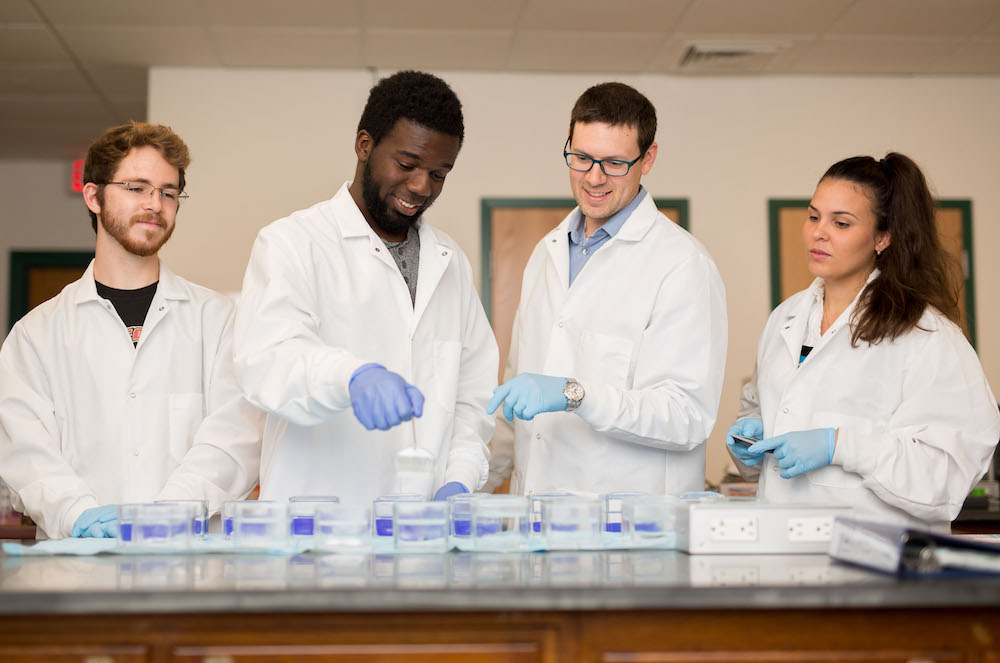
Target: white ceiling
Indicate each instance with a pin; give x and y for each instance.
(69, 68)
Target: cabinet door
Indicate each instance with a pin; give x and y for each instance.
(845, 656)
(73, 654)
(512, 652)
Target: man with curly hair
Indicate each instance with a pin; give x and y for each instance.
(357, 316)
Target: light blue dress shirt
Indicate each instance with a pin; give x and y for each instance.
(582, 247)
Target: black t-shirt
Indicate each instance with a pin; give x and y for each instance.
(132, 306)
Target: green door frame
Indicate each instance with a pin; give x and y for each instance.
(487, 205)
(775, 205)
(22, 261)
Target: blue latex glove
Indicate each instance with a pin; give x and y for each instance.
(97, 522)
(382, 399)
(527, 395)
(800, 451)
(747, 428)
(449, 489)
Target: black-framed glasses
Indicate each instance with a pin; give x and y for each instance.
(610, 167)
(168, 195)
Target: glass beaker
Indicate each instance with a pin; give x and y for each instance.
(302, 513)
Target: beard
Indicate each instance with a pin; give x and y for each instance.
(119, 228)
(386, 219)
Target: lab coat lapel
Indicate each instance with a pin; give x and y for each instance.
(434, 259)
(557, 244)
(793, 330)
(169, 291)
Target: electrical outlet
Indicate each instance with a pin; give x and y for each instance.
(735, 576)
(733, 528)
(810, 528)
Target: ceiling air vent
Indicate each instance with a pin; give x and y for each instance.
(728, 58)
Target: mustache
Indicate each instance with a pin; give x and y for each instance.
(149, 218)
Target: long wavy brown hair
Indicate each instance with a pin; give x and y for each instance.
(914, 270)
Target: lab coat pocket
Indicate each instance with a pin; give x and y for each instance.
(833, 476)
(447, 364)
(604, 359)
(186, 414)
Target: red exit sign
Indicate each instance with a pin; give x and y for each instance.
(77, 184)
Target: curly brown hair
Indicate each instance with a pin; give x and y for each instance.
(107, 152)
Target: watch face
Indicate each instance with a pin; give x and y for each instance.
(573, 391)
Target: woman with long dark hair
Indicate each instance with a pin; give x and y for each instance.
(865, 389)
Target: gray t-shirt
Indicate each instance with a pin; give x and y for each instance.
(407, 257)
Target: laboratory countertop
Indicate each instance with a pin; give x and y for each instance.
(629, 580)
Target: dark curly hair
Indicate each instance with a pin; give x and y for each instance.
(416, 96)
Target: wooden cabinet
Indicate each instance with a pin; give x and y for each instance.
(73, 654)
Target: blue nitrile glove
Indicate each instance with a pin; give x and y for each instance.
(96, 522)
(747, 428)
(800, 451)
(527, 395)
(382, 399)
(449, 489)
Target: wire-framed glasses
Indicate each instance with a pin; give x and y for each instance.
(169, 196)
(611, 167)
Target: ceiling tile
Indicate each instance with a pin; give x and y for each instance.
(129, 108)
(115, 12)
(978, 56)
(29, 43)
(287, 13)
(993, 28)
(560, 51)
(288, 47)
(761, 16)
(442, 14)
(18, 11)
(141, 46)
(873, 56)
(434, 49)
(659, 16)
(938, 18)
(34, 78)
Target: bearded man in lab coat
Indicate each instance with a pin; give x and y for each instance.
(360, 331)
(121, 388)
(619, 342)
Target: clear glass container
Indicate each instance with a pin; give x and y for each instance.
(199, 515)
(535, 500)
(461, 514)
(260, 524)
(501, 523)
(611, 512)
(302, 512)
(159, 525)
(420, 526)
(571, 522)
(342, 527)
(228, 509)
(650, 520)
(382, 513)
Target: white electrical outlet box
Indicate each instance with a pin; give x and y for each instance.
(752, 526)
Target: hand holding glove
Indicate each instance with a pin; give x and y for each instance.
(449, 489)
(527, 395)
(747, 428)
(99, 522)
(800, 451)
(382, 399)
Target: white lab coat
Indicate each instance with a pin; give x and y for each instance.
(643, 329)
(86, 419)
(321, 297)
(917, 421)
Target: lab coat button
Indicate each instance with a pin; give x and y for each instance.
(562, 323)
(785, 410)
(161, 308)
(538, 436)
(135, 452)
(132, 395)
(376, 249)
(444, 253)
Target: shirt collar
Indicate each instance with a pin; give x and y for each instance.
(170, 285)
(610, 227)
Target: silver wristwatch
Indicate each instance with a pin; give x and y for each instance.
(573, 391)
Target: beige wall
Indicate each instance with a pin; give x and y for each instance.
(266, 142)
(38, 212)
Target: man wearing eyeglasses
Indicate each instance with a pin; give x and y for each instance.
(619, 341)
(121, 388)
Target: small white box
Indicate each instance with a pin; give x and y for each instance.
(751, 526)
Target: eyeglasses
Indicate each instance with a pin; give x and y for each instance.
(169, 196)
(611, 167)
